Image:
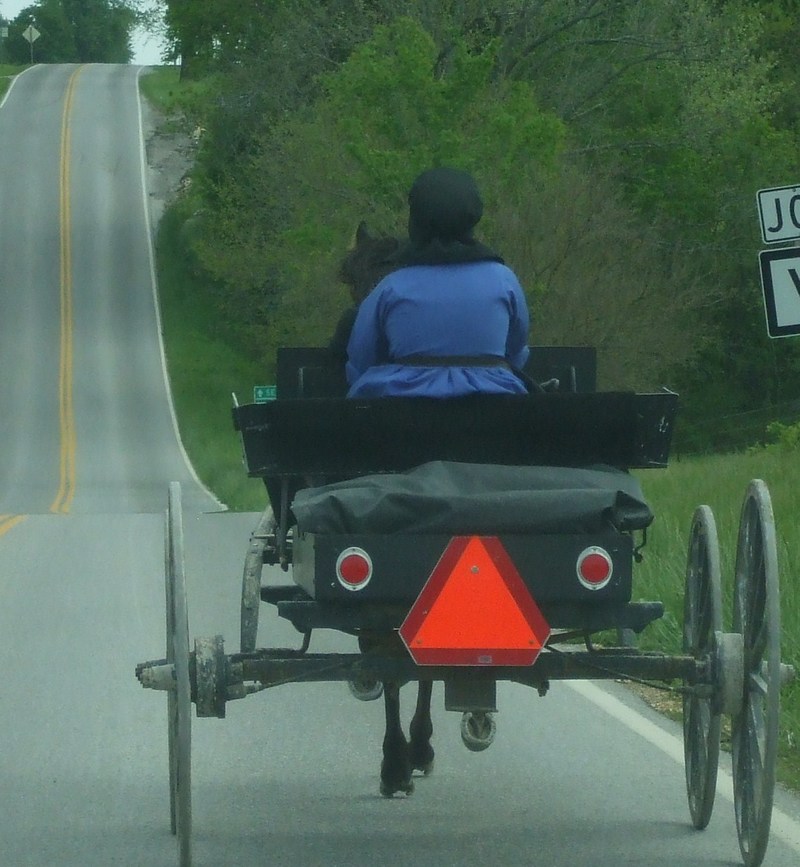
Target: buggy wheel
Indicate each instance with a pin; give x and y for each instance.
(251, 581)
(756, 615)
(702, 618)
(179, 701)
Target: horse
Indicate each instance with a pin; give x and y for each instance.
(370, 259)
(364, 265)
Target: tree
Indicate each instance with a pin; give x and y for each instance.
(76, 31)
(55, 43)
(101, 29)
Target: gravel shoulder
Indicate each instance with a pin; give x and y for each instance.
(170, 152)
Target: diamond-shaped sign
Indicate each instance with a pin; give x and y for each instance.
(475, 610)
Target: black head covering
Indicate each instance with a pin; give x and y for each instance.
(444, 206)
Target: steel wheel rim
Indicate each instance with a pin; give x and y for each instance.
(702, 617)
(756, 615)
(179, 702)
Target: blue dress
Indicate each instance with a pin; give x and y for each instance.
(472, 309)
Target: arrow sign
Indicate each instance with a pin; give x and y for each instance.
(31, 33)
(264, 393)
(780, 280)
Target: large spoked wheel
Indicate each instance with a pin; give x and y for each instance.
(756, 615)
(702, 618)
(251, 581)
(179, 701)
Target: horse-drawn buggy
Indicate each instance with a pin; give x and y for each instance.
(476, 540)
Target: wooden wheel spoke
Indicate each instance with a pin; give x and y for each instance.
(758, 682)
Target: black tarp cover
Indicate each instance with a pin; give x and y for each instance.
(462, 498)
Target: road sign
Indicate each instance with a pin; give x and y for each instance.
(475, 610)
(779, 214)
(31, 33)
(264, 393)
(780, 280)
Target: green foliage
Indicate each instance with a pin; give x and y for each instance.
(785, 436)
(205, 368)
(380, 119)
(398, 117)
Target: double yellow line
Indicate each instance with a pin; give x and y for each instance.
(66, 414)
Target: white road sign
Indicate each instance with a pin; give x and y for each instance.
(31, 33)
(780, 280)
(779, 214)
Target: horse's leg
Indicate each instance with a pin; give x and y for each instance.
(396, 766)
(420, 749)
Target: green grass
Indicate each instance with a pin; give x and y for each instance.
(7, 73)
(720, 482)
(181, 101)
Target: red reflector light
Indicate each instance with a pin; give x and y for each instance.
(354, 568)
(594, 568)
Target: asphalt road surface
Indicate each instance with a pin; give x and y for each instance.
(585, 776)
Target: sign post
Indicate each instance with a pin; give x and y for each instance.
(31, 34)
(779, 215)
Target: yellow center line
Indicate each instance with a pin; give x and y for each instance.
(7, 522)
(66, 487)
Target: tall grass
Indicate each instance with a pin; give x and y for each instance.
(205, 371)
(720, 482)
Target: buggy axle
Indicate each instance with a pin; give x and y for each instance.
(216, 678)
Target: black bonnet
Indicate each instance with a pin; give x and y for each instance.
(444, 206)
(443, 203)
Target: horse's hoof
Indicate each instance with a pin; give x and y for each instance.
(389, 790)
(365, 689)
(477, 730)
(421, 759)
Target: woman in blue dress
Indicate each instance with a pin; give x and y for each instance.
(452, 320)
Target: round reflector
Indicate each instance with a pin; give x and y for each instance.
(354, 568)
(594, 568)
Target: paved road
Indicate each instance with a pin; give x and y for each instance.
(582, 777)
(86, 422)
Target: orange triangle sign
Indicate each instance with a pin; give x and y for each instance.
(475, 610)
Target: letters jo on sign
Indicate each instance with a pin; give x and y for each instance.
(779, 213)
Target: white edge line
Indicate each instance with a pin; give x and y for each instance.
(154, 285)
(14, 81)
(782, 826)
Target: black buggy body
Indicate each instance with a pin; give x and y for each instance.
(398, 478)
